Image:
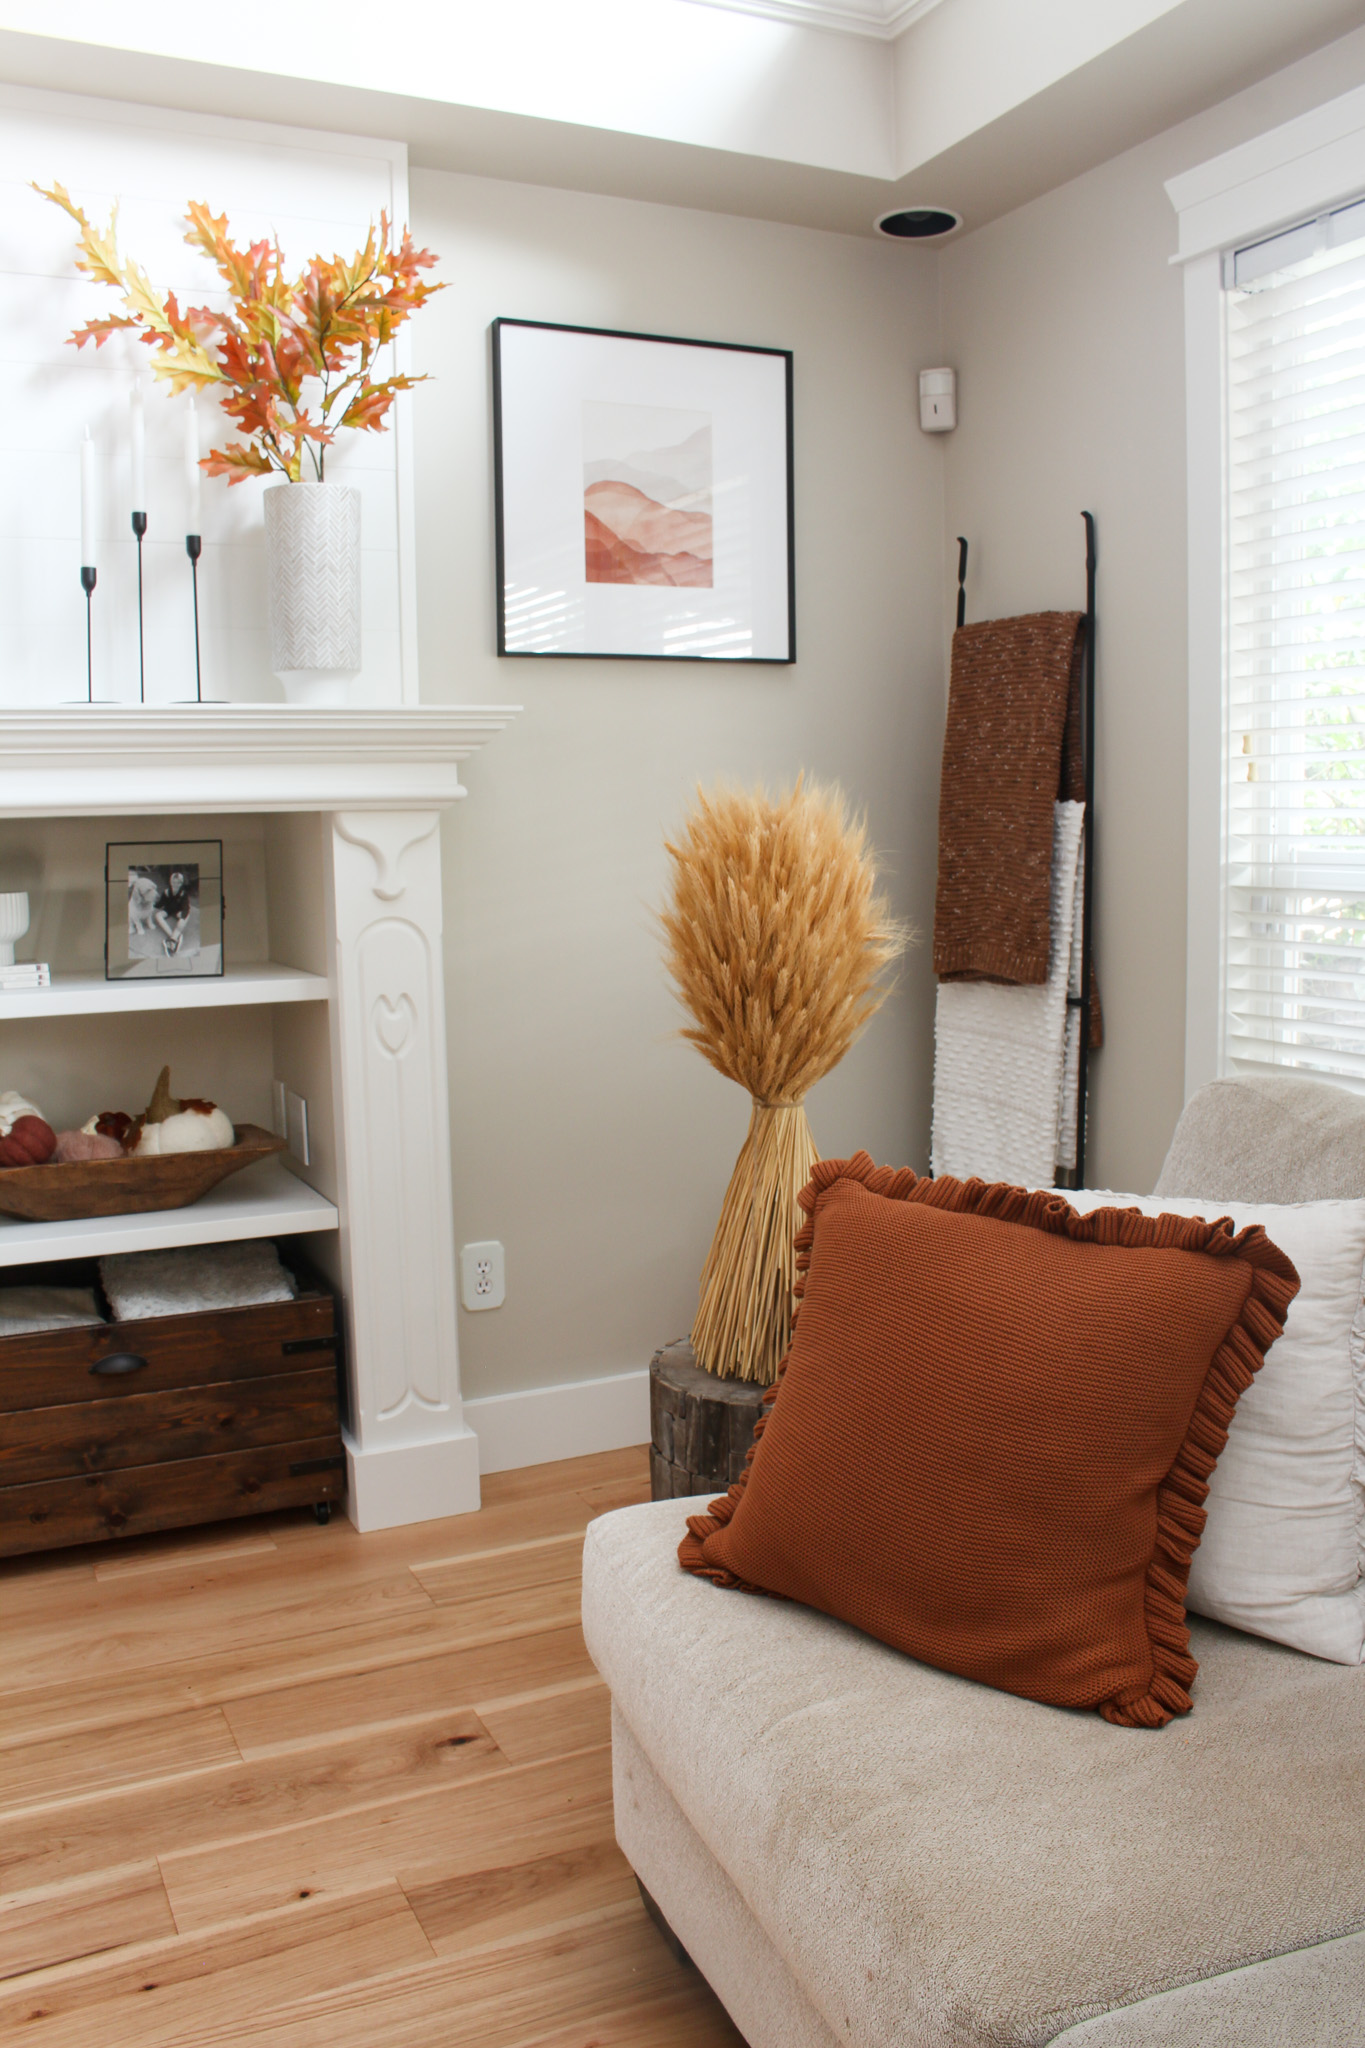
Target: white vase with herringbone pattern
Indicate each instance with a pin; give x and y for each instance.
(312, 546)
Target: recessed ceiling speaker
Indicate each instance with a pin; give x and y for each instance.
(918, 223)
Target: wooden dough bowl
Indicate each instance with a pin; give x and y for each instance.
(120, 1187)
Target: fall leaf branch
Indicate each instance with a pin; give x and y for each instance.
(327, 324)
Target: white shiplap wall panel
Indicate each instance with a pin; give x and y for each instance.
(317, 192)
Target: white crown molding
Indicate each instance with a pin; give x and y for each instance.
(88, 759)
(883, 20)
(1300, 168)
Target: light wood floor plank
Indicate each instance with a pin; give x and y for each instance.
(556, 1604)
(689, 2016)
(212, 1809)
(379, 1642)
(546, 1560)
(514, 1814)
(458, 1913)
(184, 1553)
(266, 1722)
(502, 1996)
(616, 1493)
(65, 1766)
(115, 1906)
(532, 1729)
(530, 1482)
(141, 1624)
(157, 1993)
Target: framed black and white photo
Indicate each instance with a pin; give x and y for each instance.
(644, 496)
(163, 909)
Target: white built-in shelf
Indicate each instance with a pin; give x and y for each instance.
(265, 1200)
(90, 995)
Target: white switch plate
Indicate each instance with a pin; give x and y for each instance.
(483, 1275)
(296, 1126)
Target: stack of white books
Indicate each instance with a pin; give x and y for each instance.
(25, 974)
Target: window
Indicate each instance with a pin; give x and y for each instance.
(1293, 811)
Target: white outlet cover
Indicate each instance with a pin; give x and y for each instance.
(483, 1275)
(296, 1126)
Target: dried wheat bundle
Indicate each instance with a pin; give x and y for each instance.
(778, 942)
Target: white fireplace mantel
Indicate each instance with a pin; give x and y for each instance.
(379, 779)
(82, 760)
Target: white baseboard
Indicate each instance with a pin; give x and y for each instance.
(541, 1424)
(395, 1484)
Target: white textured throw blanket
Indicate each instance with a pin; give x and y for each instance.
(203, 1276)
(1000, 1053)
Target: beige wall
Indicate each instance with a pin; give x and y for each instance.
(1065, 322)
(587, 1139)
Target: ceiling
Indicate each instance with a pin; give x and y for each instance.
(825, 113)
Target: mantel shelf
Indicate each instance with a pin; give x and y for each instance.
(263, 1201)
(90, 995)
(134, 760)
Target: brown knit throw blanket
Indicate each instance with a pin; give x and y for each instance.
(1011, 750)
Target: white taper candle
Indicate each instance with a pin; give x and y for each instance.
(139, 451)
(193, 473)
(87, 502)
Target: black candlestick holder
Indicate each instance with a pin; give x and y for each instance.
(140, 528)
(194, 548)
(89, 578)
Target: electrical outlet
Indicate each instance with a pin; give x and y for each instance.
(483, 1275)
(279, 1114)
(296, 1126)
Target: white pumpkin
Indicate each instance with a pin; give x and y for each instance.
(189, 1130)
(12, 1107)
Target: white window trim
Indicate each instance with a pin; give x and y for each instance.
(1305, 167)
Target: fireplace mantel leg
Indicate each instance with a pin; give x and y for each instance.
(410, 1454)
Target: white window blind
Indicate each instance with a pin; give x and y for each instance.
(1294, 811)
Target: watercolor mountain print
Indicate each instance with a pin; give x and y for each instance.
(647, 494)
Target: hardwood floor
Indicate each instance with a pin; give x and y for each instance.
(286, 1786)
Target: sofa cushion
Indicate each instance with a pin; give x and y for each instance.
(1268, 1138)
(993, 1434)
(1283, 1550)
(940, 1862)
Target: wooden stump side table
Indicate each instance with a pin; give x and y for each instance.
(701, 1426)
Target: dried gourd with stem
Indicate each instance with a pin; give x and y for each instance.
(778, 944)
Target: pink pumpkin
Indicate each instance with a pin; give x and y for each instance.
(74, 1147)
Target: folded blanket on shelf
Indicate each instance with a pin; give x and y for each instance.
(202, 1276)
(24, 1309)
(1000, 1053)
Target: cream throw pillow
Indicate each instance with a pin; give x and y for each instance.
(1283, 1553)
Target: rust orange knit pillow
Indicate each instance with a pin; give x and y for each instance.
(991, 1439)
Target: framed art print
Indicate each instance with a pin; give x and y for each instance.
(163, 909)
(644, 495)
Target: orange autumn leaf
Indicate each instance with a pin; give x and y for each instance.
(290, 359)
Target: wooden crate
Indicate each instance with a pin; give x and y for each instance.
(120, 1428)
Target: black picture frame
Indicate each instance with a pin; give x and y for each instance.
(163, 910)
(779, 612)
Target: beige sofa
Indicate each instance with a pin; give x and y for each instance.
(856, 1849)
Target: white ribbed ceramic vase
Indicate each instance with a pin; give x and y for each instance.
(312, 547)
(13, 923)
